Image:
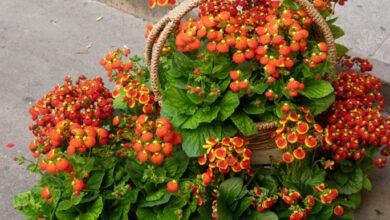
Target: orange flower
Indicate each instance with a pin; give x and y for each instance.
(299, 153)
(293, 117)
(281, 142)
(310, 142)
(302, 127)
(288, 157)
(292, 138)
(220, 153)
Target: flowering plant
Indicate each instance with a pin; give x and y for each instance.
(119, 155)
(233, 67)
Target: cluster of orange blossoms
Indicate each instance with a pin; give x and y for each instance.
(145, 139)
(127, 76)
(300, 206)
(295, 132)
(355, 120)
(263, 30)
(223, 156)
(83, 105)
(68, 119)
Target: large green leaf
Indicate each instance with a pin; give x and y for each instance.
(228, 104)
(95, 180)
(230, 189)
(354, 184)
(96, 208)
(243, 205)
(203, 115)
(155, 196)
(244, 123)
(317, 106)
(340, 177)
(177, 99)
(223, 211)
(182, 162)
(315, 89)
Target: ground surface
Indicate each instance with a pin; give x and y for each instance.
(39, 45)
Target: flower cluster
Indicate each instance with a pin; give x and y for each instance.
(223, 156)
(355, 121)
(300, 206)
(275, 38)
(295, 132)
(84, 105)
(129, 79)
(348, 61)
(262, 199)
(145, 138)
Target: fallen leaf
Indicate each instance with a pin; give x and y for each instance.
(379, 212)
(99, 18)
(111, 46)
(3, 46)
(53, 21)
(89, 45)
(83, 52)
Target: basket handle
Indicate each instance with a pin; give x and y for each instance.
(167, 24)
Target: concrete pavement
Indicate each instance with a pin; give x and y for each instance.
(39, 45)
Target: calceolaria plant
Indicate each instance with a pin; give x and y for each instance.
(231, 68)
(120, 155)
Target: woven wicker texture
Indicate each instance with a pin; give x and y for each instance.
(162, 29)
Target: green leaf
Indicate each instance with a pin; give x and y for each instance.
(25, 204)
(244, 123)
(146, 214)
(336, 31)
(223, 210)
(227, 104)
(64, 205)
(260, 88)
(348, 214)
(160, 201)
(267, 215)
(317, 178)
(95, 180)
(317, 106)
(182, 162)
(326, 213)
(66, 214)
(340, 177)
(155, 196)
(341, 50)
(177, 99)
(356, 199)
(109, 178)
(317, 89)
(230, 189)
(33, 168)
(367, 184)
(254, 109)
(243, 205)
(354, 184)
(170, 165)
(203, 115)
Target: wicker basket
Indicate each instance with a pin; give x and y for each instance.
(261, 144)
